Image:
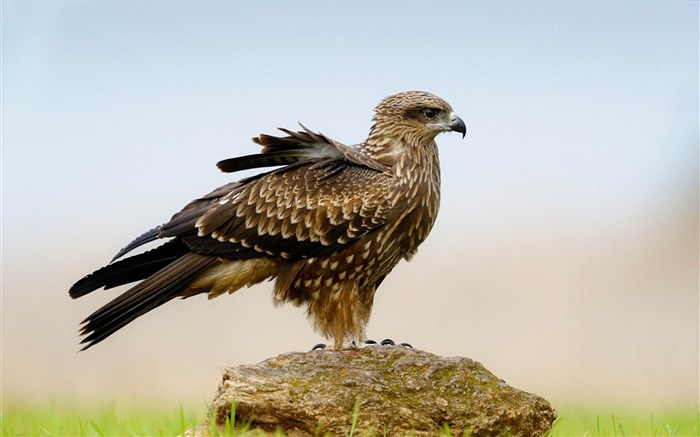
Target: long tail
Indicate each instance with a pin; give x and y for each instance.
(129, 270)
(160, 287)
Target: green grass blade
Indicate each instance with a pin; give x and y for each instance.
(97, 428)
(355, 417)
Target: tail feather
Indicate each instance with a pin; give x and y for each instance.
(130, 269)
(167, 284)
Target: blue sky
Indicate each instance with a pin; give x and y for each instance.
(582, 127)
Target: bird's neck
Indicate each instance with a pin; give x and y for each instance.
(391, 150)
(417, 188)
(419, 165)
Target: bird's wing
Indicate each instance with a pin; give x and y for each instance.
(303, 210)
(326, 195)
(194, 206)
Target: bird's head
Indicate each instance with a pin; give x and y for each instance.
(414, 118)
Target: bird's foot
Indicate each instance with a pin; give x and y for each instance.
(323, 346)
(364, 344)
(386, 342)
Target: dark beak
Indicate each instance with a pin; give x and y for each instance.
(458, 125)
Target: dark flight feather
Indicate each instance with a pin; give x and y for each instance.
(146, 237)
(153, 292)
(129, 270)
(278, 151)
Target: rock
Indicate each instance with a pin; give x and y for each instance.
(387, 390)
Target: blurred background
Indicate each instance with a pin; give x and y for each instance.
(565, 256)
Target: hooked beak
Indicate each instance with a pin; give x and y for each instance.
(457, 125)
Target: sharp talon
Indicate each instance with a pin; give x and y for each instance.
(388, 342)
(319, 346)
(407, 345)
(370, 343)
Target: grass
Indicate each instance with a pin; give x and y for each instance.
(58, 419)
(621, 422)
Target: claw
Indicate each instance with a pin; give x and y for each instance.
(388, 342)
(319, 346)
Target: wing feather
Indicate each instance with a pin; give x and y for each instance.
(293, 148)
(292, 212)
(318, 203)
(146, 237)
(319, 217)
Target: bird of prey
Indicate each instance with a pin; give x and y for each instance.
(327, 225)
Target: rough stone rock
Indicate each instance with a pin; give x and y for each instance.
(387, 390)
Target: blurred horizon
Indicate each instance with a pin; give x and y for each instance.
(565, 255)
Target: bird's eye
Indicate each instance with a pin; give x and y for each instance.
(429, 113)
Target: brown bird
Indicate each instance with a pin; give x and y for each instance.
(327, 226)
